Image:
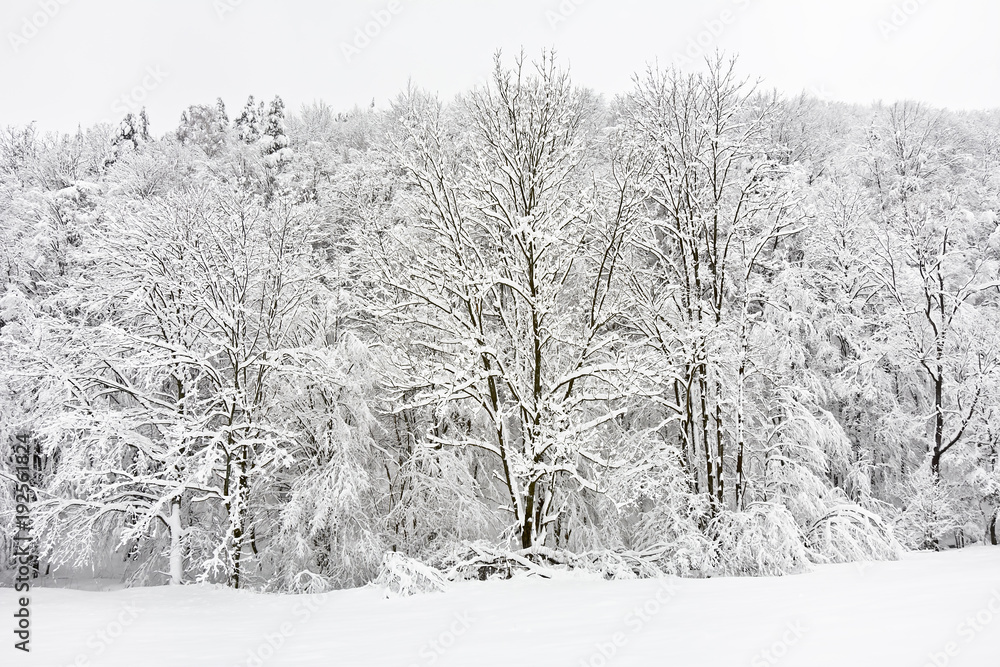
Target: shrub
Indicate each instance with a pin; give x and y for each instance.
(762, 540)
(849, 533)
(402, 576)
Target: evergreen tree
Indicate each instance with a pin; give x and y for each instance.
(204, 126)
(274, 142)
(248, 124)
(132, 132)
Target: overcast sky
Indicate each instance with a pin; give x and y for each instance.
(64, 62)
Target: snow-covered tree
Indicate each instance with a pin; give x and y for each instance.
(204, 126)
(494, 281)
(248, 123)
(199, 328)
(936, 267)
(274, 143)
(718, 208)
(133, 132)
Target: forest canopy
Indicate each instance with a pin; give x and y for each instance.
(701, 328)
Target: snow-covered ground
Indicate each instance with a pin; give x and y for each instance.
(928, 609)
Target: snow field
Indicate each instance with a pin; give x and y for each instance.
(928, 610)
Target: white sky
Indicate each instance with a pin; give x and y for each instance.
(92, 59)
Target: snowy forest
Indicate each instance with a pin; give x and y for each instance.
(701, 329)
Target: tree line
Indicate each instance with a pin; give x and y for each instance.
(719, 329)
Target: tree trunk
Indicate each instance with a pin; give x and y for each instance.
(239, 531)
(528, 526)
(706, 444)
(938, 416)
(720, 489)
(176, 555)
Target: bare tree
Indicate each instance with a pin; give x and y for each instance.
(505, 276)
(717, 205)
